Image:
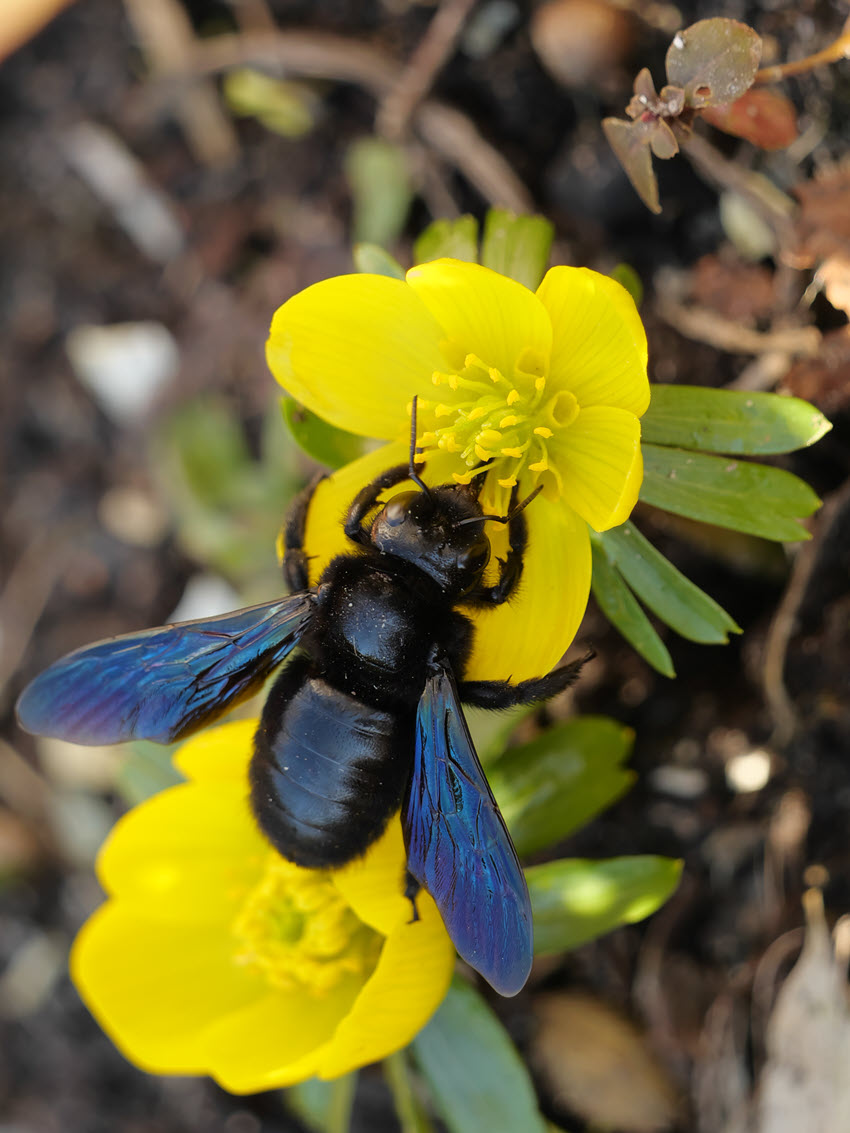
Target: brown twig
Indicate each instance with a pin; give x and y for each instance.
(418, 76)
(703, 325)
(318, 55)
(167, 39)
(839, 49)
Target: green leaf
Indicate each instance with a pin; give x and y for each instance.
(324, 442)
(409, 1110)
(324, 1107)
(477, 1078)
(668, 593)
(575, 900)
(559, 781)
(380, 188)
(623, 610)
(714, 61)
(457, 239)
(517, 246)
(146, 771)
(730, 493)
(374, 260)
(730, 421)
(627, 277)
(491, 730)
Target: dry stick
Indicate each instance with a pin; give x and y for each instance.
(779, 703)
(725, 334)
(417, 78)
(167, 40)
(322, 56)
(840, 49)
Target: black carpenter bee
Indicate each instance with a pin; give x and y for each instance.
(366, 718)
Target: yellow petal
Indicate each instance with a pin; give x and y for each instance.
(483, 313)
(218, 754)
(374, 884)
(527, 636)
(355, 349)
(192, 852)
(601, 465)
(399, 998)
(276, 1040)
(154, 987)
(598, 344)
(333, 497)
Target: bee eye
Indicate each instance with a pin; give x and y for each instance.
(475, 558)
(396, 512)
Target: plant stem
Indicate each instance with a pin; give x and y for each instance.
(411, 1115)
(839, 49)
(342, 1101)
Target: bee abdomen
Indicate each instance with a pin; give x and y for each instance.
(328, 771)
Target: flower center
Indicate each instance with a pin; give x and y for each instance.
(497, 423)
(297, 930)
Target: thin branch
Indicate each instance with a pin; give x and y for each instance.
(839, 49)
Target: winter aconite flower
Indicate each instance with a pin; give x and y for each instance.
(214, 955)
(515, 387)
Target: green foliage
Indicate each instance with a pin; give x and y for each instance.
(475, 1074)
(375, 260)
(730, 421)
(627, 277)
(623, 610)
(559, 781)
(455, 239)
(674, 598)
(517, 246)
(324, 1107)
(380, 189)
(575, 900)
(730, 493)
(146, 771)
(325, 443)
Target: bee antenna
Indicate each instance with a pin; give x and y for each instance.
(414, 475)
(502, 518)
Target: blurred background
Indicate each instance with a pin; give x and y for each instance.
(170, 173)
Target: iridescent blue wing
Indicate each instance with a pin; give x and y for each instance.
(162, 683)
(458, 847)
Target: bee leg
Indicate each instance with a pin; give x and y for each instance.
(502, 694)
(510, 567)
(411, 891)
(295, 559)
(365, 501)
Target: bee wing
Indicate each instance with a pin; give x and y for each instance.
(162, 683)
(458, 846)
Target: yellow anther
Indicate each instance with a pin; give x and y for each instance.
(452, 380)
(448, 443)
(514, 452)
(539, 383)
(443, 410)
(427, 439)
(477, 413)
(540, 466)
(495, 375)
(509, 483)
(513, 397)
(483, 453)
(542, 431)
(489, 437)
(506, 422)
(437, 378)
(462, 477)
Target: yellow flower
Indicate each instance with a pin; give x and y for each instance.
(514, 386)
(216, 956)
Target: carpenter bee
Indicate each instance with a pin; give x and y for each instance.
(366, 718)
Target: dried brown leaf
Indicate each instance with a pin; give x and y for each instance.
(823, 224)
(763, 117)
(630, 142)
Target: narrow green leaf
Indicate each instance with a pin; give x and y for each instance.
(326, 443)
(575, 900)
(411, 1115)
(730, 421)
(627, 277)
(730, 493)
(324, 1107)
(668, 593)
(623, 610)
(380, 189)
(146, 771)
(559, 781)
(457, 239)
(374, 260)
(517, 246)
(477, 1078)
